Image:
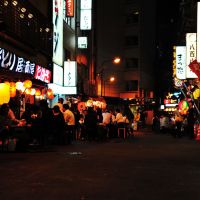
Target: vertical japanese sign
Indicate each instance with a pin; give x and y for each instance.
(191, 53)
(70, 73)
(198, 31)
(181, 62)
(86, 15)
(69, 8)
(58, 32)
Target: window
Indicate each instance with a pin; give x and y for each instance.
(131, 40)
(132, 85)
(131, 62)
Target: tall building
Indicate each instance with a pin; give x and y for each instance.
(125, 28)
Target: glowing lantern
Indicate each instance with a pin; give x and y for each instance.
(27, 84)
(32, 91)
(12, 89)
(89, 103)
(183, 107)
(81, 106)
(7, 83)
(19, 85)
(49, 94)
(28, 91)
(4, 93)
(196, 93)
(37, 92)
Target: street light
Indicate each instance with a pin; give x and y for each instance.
(116, 60)
(109, 81)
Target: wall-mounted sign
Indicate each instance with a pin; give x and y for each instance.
(42, 74)
(70, 73)
(86, 15)
(58, 32)
(86, 4)
(69, 8)
(57, 74)
(198, 31)
(191, 48)
(15, 63)
(181, 62)
(82, 42)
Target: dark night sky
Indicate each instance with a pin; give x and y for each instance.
(167, 17)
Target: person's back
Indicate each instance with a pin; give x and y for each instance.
(107, 117)
(90, 123)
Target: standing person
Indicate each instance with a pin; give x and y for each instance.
(58, 125)
(69, 122)
(45, 122)
(99, 115)
(191, 118)
(107, 119)
(136, 119)
(60, 104)
(178, 123)
(91, 123)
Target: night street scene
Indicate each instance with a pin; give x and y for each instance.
(99, 100)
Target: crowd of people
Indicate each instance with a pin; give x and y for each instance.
(176, 123)
(63, 123)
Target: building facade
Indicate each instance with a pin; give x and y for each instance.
(127, 30)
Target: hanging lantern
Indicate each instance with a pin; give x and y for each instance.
(28, 91)
(183, 107)
(81, 106)
(12, 89)
(37, 92)
(7, 83)
(4, 93)
(27, 84)
(89, 103)
(49, 94)
(32, 91)
(19, 85)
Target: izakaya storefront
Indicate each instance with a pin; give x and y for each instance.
(22, 81)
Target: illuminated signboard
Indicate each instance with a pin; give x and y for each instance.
(15, 63)
(70, 73)
(86, 4)
(86, 15)
(191, 42)
(181, 62)
(86, 18)
(69, 8)
(42, 74)
(82, 42)
(198, 31)
(57, 74)
(58, 32)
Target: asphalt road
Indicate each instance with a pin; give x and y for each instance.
(146, 166)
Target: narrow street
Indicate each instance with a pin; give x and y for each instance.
(147, 166)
